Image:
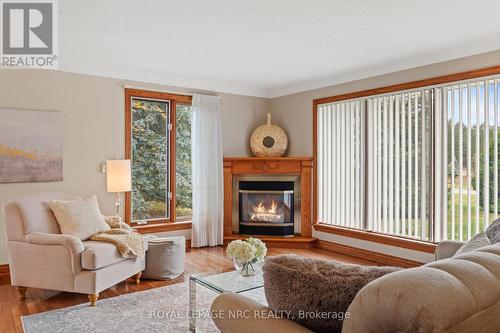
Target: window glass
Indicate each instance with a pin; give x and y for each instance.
(150, 158)
(183, 190)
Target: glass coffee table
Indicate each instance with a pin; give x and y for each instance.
(220, 282)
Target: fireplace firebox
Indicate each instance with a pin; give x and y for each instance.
(266, 208)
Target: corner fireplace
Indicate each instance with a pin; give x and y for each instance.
(267, 207)
(269, 169)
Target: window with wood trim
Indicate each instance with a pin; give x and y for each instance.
(420, 162)
(158, 143)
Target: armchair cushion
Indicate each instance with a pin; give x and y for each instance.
(100, 254)
(80, 218)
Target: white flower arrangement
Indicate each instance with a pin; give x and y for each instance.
(248, 250)
(259, 245)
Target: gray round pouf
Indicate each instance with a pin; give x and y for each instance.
(165, 257)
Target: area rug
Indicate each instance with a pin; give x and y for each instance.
(164, 309)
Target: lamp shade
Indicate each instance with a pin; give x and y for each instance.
(119, 177)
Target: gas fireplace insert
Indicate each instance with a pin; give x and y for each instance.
(266, 208)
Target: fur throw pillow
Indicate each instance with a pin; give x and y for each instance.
(315, 293)
(493, 231)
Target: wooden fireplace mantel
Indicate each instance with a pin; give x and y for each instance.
(236, 166)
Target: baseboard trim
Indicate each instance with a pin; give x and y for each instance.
(377, 257)
(4, 274)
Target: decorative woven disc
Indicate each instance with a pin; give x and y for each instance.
(268, 140)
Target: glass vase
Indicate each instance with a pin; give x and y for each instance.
(245, 268)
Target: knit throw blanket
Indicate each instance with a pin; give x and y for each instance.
(129, 243)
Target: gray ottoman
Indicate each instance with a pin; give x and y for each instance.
(165, 257)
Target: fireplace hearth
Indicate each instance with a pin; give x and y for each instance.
(266, 207)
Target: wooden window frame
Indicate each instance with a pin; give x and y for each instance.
(174, 99)
(423, 246)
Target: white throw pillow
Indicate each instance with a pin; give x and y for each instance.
(79, 218)
(475, 243)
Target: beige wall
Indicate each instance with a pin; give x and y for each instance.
(93, 112)
(294, 112)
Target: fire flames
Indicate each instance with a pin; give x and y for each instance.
(261, 213)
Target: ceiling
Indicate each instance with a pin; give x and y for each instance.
(268, 48)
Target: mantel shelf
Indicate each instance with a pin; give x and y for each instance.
(253, 158)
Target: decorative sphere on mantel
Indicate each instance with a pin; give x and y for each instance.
(268, 140)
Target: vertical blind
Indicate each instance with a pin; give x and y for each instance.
(420, 164)
(340, 166)
(399, 156)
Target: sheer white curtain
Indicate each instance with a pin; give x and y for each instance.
(206, 150)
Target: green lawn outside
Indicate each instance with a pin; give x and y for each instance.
(465, 216)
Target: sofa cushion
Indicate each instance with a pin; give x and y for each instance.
(79, 218)
(99, 254)
(476, 242)
(459, 294)
(301, 286)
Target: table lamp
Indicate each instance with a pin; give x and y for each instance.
(119, 179)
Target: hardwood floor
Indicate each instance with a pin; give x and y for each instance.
(197, 260)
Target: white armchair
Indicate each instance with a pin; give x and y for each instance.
(41, 257)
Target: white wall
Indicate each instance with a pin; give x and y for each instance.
(93, 112)
(375, 247)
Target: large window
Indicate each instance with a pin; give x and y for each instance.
(419, 163)
(158, 143)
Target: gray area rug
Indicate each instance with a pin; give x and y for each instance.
(162, 309)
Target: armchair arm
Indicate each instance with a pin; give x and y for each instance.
(116, 222)
(254, 316)
(41, 238)
(446, 249)
(72, 243)
(123, 225)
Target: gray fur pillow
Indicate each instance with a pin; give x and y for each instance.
(493, 231)
(303, 287)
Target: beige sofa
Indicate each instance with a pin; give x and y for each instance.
(41, 257)
(459, 294)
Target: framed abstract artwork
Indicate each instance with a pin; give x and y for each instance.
(31, 146)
